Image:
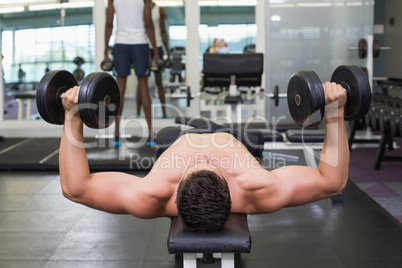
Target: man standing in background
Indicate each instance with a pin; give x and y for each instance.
(134, 29)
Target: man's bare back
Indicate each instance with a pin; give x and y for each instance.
(192, 150)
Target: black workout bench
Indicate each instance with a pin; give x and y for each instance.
(234, 238)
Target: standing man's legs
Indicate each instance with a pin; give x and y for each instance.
(158, 82)
(121, 81)
(141, 58)
(138, 99)
(159, 86)
(161, 92)
(121, 69)
(145, 99)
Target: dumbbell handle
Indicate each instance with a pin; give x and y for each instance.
(280, 95)
(357, 48)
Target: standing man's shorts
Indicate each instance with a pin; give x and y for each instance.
(126, 55)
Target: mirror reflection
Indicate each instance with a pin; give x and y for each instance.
(45, 35)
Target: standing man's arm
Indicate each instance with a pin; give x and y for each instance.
(165, 37)
(108, 27)
(149, 27)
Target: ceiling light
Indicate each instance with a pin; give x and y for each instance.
(227, 2)
(78, 4)
(314, 4)
(11, 9)
(44, 7)
(62, 5)
(275, 18)
(281, 5)
(169, 3)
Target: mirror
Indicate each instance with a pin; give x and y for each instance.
(39, 39)
(225, 30)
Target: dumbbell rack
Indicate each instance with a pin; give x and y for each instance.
(392, 90)
(379, 119)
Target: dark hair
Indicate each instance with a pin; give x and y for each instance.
(203, 201)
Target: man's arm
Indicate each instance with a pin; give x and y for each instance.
(165, 38)
(149, 27)
(298, 185)
(112, 192)
(108, 27)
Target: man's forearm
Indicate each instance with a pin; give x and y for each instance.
(151, 35)
(334, 164)
(73, 162)
(108, 34)
(149, 28)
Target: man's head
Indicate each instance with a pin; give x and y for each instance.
(203, 201)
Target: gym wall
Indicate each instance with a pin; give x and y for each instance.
(315, 37)
(393, 38)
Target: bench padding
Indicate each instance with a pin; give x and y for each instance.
(234, 237)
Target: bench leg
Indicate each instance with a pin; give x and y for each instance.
(189, 260)
(20, 108)
(28, 111)
(227, 260)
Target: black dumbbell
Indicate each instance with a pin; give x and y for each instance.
(78, 61)
(395, 124)
(306, 96)
(383, 105)
(156, 65)
(98, 99)
(386, 100)
(367, 116)
(385, 117)
(168, 63)
(375, 114)
(394, 103)
(107, 65)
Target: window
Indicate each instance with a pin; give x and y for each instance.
(33, 50)
(237, 36)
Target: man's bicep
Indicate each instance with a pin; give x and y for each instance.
(114, 192)
(300, 185)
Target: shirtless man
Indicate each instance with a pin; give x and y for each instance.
(203, 177)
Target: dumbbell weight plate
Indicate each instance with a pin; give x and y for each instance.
(78, 74)
(79, 61)
(107, 65)
(371, 111)
(383, 119)
(356, 83)
(306, 98)
(395, 124)
(48, 95)
(168, 64)
(376, 48)
(156, 65)
(362, 48)
(99, 100)
(276, 95)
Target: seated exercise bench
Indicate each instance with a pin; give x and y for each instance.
(234, 238)
(234, 71)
